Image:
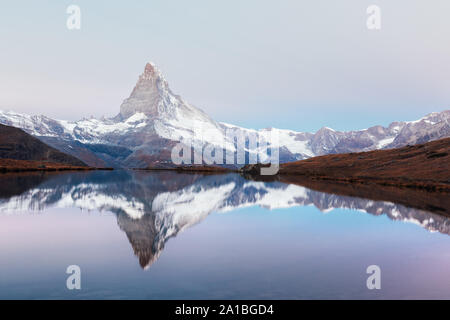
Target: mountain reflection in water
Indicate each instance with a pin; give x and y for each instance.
(151, 207)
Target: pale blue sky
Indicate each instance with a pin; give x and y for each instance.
(289, 64)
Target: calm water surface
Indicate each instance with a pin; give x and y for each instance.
(163, 235)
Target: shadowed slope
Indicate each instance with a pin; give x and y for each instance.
(19, 145)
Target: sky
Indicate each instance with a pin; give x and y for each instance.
(297, 65)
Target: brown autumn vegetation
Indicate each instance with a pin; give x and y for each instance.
(424, 166)
(13, 165)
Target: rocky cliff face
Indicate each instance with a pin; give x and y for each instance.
(432, 127)
(151, 96)
(153, 119)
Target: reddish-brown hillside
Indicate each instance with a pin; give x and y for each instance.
(12, 165)
(424, 165)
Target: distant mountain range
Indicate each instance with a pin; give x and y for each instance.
(154, 119)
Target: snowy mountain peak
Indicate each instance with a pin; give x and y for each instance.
(149, 67)
(153, 119)
(150, 91)
(152, 74)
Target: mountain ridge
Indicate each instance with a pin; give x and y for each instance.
(154, 207)
(152, 120)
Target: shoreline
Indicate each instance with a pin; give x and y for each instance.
(392, 182)
(422, 166)
(436, 201)
(18, 170)
(13, 165)
(192, 169)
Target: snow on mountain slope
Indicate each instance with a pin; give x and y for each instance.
(85, 130)
(296, 143)
(153, 119)
(434, 126)
(172, 117)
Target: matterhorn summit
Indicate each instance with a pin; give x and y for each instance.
(166, 113)
(152, 120)
(148, 95)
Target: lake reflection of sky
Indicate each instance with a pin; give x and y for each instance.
(246, 252)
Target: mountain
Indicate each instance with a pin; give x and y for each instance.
(152, 207)
(152, 120)
(18, 145)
